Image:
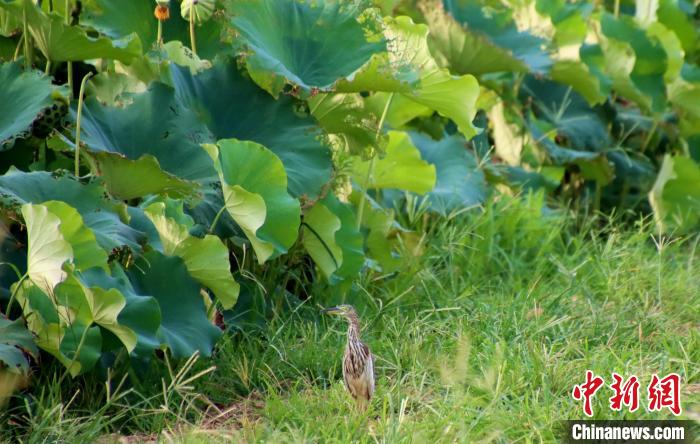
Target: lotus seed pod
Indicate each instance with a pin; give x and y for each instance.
(201, 10)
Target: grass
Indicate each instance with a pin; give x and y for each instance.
(480, 338)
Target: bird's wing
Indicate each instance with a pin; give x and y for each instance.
(369, 376)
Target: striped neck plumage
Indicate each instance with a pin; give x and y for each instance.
(353, 328)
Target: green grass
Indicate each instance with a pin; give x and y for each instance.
(480, 338)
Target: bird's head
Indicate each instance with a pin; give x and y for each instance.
(344, 310)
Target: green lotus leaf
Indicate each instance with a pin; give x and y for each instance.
(255, 192)
(677, 15)
(401, 109)
(184, 328)
(87, 253)
(232, 106)
(568, 112)
(401, 167)
(382, 243)
(578, 76)
(153, 124)
(26, 94)
(47, 249)
(319, 228)
(103, 216)
(332, 239)
(459, 181)
(301, 40)
(347, 116)
(470, 40)
(92, 304)
(118, 174)
(519, 178)
(408, 68)
(636, 63)
(592, 165)
(206, 258)
(140, 315)
(60, 42)
(675, 197)
(14, 340)
(79, 349)
(119, 19)
(569, 19)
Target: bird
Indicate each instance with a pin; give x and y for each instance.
(358, 365)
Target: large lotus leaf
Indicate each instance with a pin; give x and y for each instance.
(349, 119)
(23, 95)
(154, 124)
(79, 349)
(408, 68)
(569, 19)
(206, 258)
(118, 19)
(141, 313)
(519, 178)
(382, 241)
(14, 252)
(635, 61)
(232, 106)
(568, 112)
(255, 191)
(401, 167)
(319, 228)
(60, 42)
(677, 15)
(184, 327)
(47, 249)
(91, 303)
(675, 197)
(118, 174)
(310, 44)
(472, 40)
(87, 253)
(578, 75)
(102, 215)
(507, 136)
(592, 165)
(59, 325)
(460, 183)
(332, 239)
(14, 339)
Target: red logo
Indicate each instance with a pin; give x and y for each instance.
(665, 392)
(586, 391)
(662, 393)
(625, 394)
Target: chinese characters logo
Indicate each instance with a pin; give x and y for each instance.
(661, 393)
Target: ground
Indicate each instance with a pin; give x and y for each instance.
(482, 337)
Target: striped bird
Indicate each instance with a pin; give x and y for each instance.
(358, 368)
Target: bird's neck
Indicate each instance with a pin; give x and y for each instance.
(353, 329)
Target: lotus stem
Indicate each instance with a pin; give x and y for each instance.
(20, 44)
(70, 64)
(14, 293)
(193, 44)
(25, 32)
(78, 121)
(216, 219)
(159, 38)
(370, 170)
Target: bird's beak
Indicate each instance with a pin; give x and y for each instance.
(331, 310)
